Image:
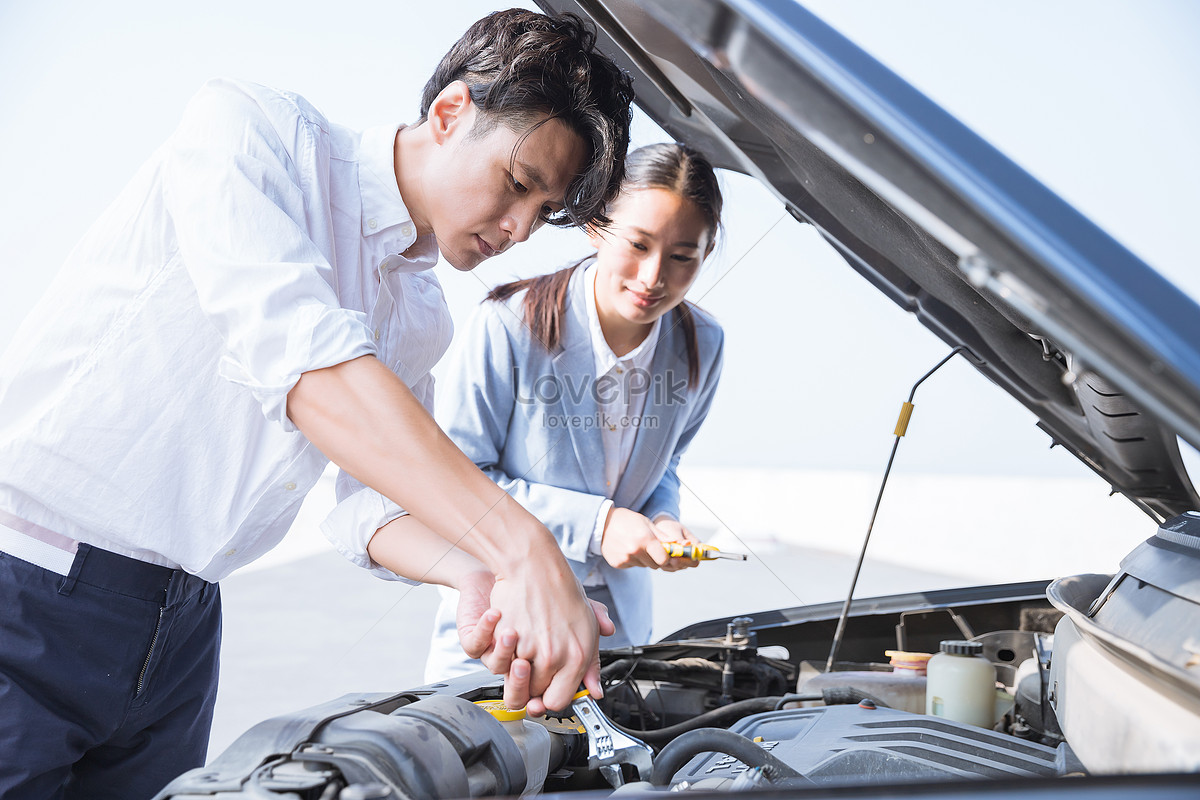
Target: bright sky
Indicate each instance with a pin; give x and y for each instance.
(1096, 98)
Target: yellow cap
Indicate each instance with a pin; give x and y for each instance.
(581, 693)
(500, 711)
(903, 659)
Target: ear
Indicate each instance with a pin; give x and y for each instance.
(451, 111)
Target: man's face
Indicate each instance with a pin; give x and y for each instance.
(485, 193)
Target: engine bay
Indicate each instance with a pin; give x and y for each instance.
(695, 699)
(1064, 680)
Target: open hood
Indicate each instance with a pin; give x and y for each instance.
(1048, 306)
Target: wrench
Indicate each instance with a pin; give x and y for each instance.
(609, 747)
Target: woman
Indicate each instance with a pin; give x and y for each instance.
(578, 391)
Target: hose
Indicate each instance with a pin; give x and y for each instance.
(725, 716)
(715, 740)
(701, 672)
(721, 717)
(796, 698)
(848, 696)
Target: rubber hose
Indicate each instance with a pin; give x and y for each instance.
(848, 696)
(721, 717)
(796, 698)
(715, 740)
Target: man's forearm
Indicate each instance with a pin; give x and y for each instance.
(411, 550)
(365, 420)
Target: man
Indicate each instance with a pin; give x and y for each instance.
(255, 303)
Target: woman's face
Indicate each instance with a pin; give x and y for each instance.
(649, 258)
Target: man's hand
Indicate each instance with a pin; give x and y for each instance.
(559, 639)
(365, 420)
(477, 623)
(631, 540)
(516, 683)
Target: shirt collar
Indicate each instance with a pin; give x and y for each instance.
(383, 210)
(606, 359)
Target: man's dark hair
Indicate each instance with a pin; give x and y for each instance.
(525, 69)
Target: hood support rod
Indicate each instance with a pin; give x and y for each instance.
(901, 427)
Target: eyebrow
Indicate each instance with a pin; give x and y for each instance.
(650, 235)
(534, 175)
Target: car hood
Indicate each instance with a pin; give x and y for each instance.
(1099, 346)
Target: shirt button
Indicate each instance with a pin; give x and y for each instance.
(377, 334)
(406, 229)
(231, 551)
(372, 223)
(620, 371)
(291, 487)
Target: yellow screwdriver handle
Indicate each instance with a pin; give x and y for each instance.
(699, 552)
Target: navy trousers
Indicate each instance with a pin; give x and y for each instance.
(107, 677)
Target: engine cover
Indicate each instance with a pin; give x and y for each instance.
(853, 744)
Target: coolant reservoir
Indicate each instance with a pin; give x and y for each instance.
(903, 688)
(533, 740)
(961, 684)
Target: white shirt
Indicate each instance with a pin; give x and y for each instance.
(622, 385)
(142, 402)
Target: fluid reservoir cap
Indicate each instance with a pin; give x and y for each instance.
(903, 659)
(962, 648)
(500, 711)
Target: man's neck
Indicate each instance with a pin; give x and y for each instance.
(408, 153)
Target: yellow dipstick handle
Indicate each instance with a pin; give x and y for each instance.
(905, 415)
(698, 552)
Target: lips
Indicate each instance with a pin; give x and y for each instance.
(644, 300)
(486, 249)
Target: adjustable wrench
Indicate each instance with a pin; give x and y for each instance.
(608, 746)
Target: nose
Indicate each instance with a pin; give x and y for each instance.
(520, 223)
(650, 271)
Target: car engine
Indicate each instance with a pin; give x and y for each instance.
(758, 705)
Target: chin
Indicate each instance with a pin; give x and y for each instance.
(456, 259)
(646, 316)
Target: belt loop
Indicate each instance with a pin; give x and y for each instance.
(175, 589)
(68, 583)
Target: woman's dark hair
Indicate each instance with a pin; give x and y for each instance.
(677, 168)
(525, 69)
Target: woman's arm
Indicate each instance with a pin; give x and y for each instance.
(664, 501)
(479, 396)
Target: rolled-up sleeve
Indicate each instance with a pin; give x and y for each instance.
(246, 186)
(354, 520)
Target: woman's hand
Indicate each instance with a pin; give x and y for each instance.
(671, 530)
(631, 540)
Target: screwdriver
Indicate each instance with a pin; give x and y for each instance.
(698, 552)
